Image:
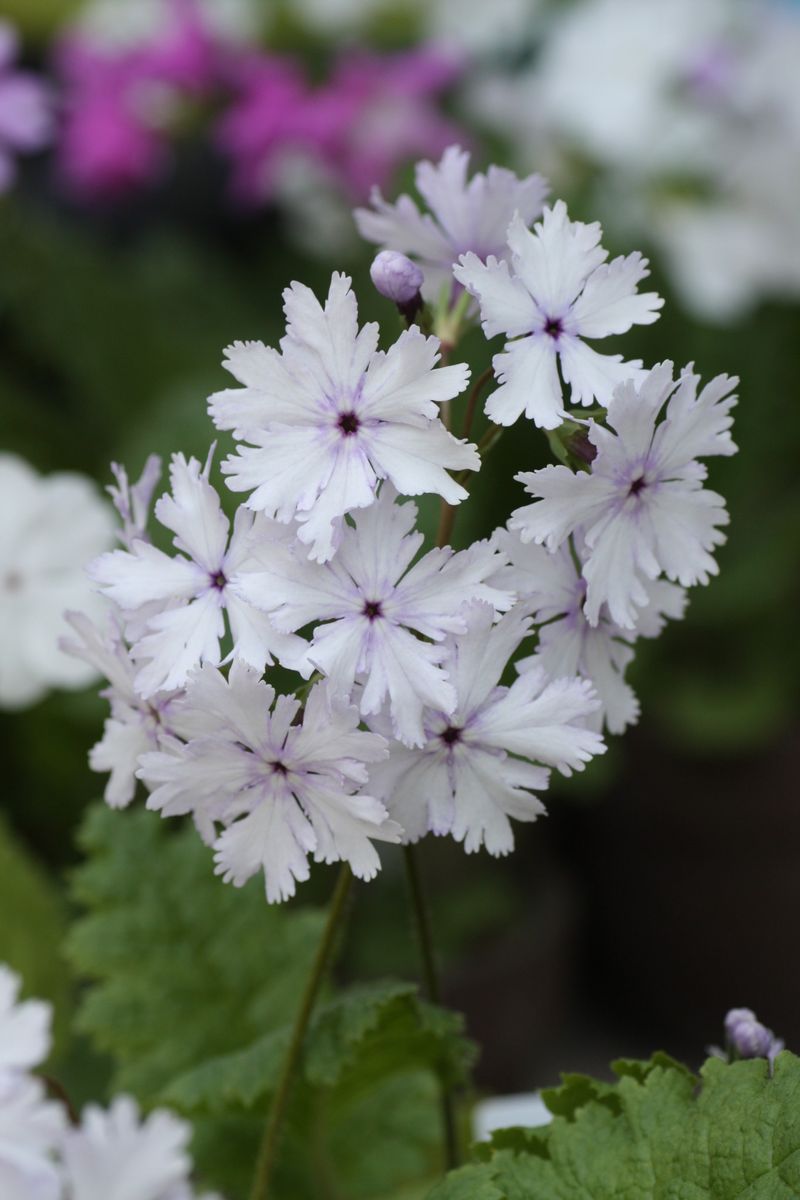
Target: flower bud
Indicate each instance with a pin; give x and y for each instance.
(398, 278)
(747, 1037)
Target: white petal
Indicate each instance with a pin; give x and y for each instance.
(610, 303)
(529, 384)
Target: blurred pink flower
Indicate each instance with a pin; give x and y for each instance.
(374, 113)
(120, 104)
(26, 117)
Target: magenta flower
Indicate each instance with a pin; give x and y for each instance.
(26, 118)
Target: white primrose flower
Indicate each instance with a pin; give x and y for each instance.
(372, 603)
(331, 415)
(135, 724)
(642, 509)
(283, 790)
(176, 604)
(52, 525)
(465, 215)
(551, 587)
(115, 1154)
(479, 763)
(559, 290)
(31, 1128)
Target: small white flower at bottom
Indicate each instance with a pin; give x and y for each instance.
(282, 788)
(31, 1128)
(116, 1154)
(479, 765)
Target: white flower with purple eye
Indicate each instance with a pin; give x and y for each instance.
(331, 415)
(116, 1154)
(642, 509)
(374, 606)
(177, 604)
(559, 290)
(483, 762)
(465, 215)
(283, 789)
(551, 587)
(135, 725)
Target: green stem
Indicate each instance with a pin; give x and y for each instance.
(277, 1112)
(433, 991)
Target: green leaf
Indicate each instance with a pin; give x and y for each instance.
(362, 1036)
(33, 929)
(734, 1135)
(184, 967)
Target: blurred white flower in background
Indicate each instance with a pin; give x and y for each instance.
(683, 119)
(125, 23)
(50, 527)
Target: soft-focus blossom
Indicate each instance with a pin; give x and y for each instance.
(132, 24)
(116, 1154)
(551, 587)
(748, 1038)
(464, 216)
(31, 1127)
(560, 290)
(180, 601)
(331, 415)
(282, 788)
(642, 509)
(371, 602)
(30, 1124)
(483, 761)
(374, 113)
(52, 526)
(26, 108)
(24, 1027)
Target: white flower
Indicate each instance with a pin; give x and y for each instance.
(374, 603)
(560, 290)
(642, 510)
(551, 587)
(133, 502)
(135, 725)
(331, 415)
(282, 790)
(117, 1155)
(473, 771)
(24, 1027)
(179, 601)
(51, 526)
(464, 216)
(31, 1127)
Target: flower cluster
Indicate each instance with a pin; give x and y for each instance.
(47, 1154)
(438, 687)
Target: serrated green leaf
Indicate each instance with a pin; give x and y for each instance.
(735, 1136)
(468, 1183)
(184, 967)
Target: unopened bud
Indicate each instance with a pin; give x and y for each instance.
(747, 1037)
(399, 279)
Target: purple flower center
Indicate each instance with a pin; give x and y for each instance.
(637, 485)
(553, 327)
(278, 768)
(218, 580)
(372, 609)
(348, 423)
(451, 735)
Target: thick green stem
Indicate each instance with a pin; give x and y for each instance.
(433, 991)
(277, 1112)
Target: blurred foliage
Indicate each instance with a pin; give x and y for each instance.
(32, 930)
(194, 988)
